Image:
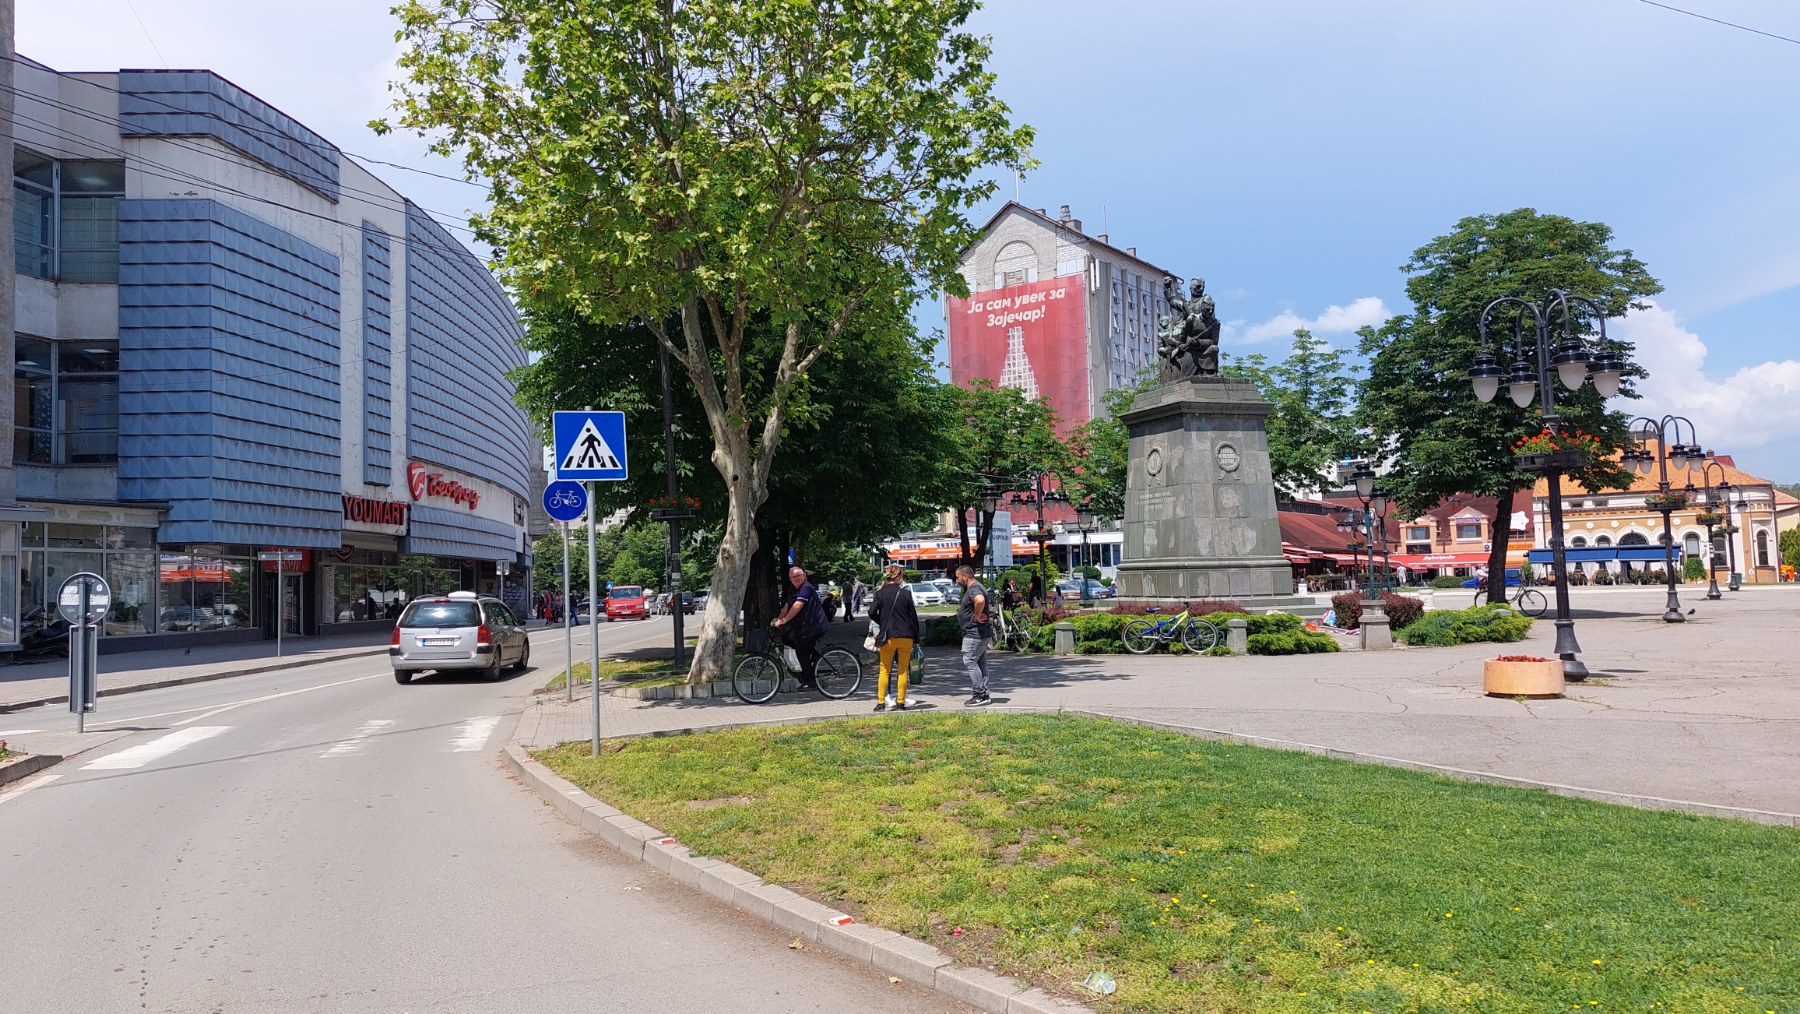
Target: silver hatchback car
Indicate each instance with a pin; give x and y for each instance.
(458, 631)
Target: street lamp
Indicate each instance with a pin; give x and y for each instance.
(1714, 497)
(1640, 459)
(1086, 521)
(1375, 508)
(1348, 522)
(1575, 363)
(1038, 496)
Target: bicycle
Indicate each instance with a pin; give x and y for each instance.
(1529, 601)
(757, 676)
(1143, 636)
(561, 499)
(1012, 632)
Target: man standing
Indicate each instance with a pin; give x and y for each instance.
(803, 622)
(977, 634)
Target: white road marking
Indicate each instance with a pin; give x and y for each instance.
(17, 732)
(214, 709)
(35, 783)
(156, 749)
(354, 744)
(475, 733)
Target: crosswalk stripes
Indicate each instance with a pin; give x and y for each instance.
(135, 757)
(346, 747)
(474, 734)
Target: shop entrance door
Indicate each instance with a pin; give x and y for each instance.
(293, 610)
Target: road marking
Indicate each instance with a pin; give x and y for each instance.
(17, 732)
(35, 783)
(354, 744)
(215, 709)
(156, 749)
(474, 734)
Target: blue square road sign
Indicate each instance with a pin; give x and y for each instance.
(589, 446)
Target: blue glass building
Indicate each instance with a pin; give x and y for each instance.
(232, 342)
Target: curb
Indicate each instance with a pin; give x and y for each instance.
(883, 950)
(189, 680)
(26, 766)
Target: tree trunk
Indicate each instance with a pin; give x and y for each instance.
(1501, 533)
(762, 597)
(718, 629)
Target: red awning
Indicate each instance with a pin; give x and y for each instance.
(1429, 560)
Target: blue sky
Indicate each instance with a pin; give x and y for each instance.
(1294, 152)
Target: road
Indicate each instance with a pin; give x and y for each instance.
(325, 840)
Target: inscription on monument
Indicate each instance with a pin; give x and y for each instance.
(1228, 457)
(1158, 506)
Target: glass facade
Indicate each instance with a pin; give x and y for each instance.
(66, 217)
(125, 557)
(65, 402)
(366, 584)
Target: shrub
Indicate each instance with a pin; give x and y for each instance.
(1218, 651)
(1577, 578)
(1444, 627)
(913, 575)
(1266, 623)
(1348, 606)
(1204, 607)
(1694, 569)
(1207, 607)
(1447, 581)
(1095, 634)
(1603, 577)
(1402, 610)
(942, 630)
(1292, 642)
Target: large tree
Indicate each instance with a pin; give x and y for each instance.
(1002, 439)
(1312, 392)
(703, 165)
(1098, 450)
(1416, 400)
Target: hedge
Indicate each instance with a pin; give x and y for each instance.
(1292, 642)
(1402, 610)
(1447, 581)
(1099, 633)
(1444, 627)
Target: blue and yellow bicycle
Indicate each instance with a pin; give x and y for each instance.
(1143, 636)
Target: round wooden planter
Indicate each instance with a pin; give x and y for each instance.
(1522, 679)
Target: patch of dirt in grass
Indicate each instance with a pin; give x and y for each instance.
(713, 804)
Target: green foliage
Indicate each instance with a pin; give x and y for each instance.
(996, 435)
(1100, 447)
(1693, 569)
(941, 630)
(1789, 544)
(1218, 651)
(1402, 610)
(1444, 627)
(1447, 581)
(1416, 399)
(1292, 642)
(1311, 425)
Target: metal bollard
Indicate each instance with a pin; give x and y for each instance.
(1237, 636)
(1065, 638)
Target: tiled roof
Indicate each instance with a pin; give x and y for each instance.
(1677, 478)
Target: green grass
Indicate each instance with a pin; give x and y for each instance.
(635, 671)
(1219, 878)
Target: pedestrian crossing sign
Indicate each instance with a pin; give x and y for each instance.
(590, 446)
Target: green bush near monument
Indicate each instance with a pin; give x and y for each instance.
(1445, 627)
(1447, 581)
(1269, 634)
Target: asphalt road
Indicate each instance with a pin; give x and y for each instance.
(325, 840)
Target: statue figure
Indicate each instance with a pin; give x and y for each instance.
(1188, 339)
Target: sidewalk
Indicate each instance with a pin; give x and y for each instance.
(1702, 713)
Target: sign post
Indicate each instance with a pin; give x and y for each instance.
(566, 501)
(83, 600)
(590, 447)
(280, 557)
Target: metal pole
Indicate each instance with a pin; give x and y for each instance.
(1043, 564)
(1731, 583)
(662, 356)
(1671, 614)
(78, 663)
(1566, 647)
(1712, 563)
(593, 616)
(568, 622)
(280, 599)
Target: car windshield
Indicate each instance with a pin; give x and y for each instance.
(626, 593)
(441, 614)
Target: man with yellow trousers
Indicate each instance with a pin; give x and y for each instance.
(895, 616)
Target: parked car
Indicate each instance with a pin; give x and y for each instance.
(700, 599)
(461, 631)
(1071, 589)
(951, 591)
(925, 593)
(1512, 580)
(626, 602)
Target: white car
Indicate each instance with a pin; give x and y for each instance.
(926, 594)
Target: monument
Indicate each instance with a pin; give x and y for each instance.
(1199, 494)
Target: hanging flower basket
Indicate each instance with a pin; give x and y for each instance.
(1727, 529)
(1555, 452)
(1665, 501)
(1708, 518)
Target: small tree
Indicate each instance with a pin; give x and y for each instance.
(1312, 394)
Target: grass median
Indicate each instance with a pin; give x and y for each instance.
(1211, 877)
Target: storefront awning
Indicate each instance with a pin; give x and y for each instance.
(1426, 561)
(1607, 554)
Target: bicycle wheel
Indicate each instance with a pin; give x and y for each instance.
(917, 673)
(839, 673)
(1199, 635)
(1481, 597)
(756, 679)
(1138, 637)
(1533, 603)
(1022, 635)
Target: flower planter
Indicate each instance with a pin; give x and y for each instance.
(1537, 679)
(1552, 461)
(1669, 502)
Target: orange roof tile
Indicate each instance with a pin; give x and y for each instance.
(1677, 478)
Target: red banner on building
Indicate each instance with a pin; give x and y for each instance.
(1031, 336)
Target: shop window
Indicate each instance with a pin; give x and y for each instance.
(203, 592)
(66, 217)
(1468, 531)
(65, 402)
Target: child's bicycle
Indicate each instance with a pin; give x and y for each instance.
(1142, 636)
(757, 677)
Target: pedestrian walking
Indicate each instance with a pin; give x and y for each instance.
(1035, 592)
(895, 618)
(977, 634)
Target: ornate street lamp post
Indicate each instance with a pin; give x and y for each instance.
(1085, 520)
(1665, 500)
(1038, 496)
(1348, 522)
(1575, 363)
(1713, 497)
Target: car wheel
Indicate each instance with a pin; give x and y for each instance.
(524, 661)
(402, 677)
(495, 671)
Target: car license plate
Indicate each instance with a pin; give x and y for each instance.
(436, 642)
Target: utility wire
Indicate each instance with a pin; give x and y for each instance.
(1721, 21)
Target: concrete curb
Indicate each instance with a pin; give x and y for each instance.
(1641, 802)
(883, 950)
(26, 766)
(202, 678)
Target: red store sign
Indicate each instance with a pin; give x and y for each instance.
(423, 484)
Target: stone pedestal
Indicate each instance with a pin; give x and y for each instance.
(1199, 500)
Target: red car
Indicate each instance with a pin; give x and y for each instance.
(626, 602)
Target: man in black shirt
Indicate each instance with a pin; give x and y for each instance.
(977, 634)
(803, 622)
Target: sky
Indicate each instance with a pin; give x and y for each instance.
(1293, 152)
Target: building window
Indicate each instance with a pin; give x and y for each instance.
(1468, 531)
(1603, 540)
(1762, 548)
(1418, 534)
(66, 217)
(1690, 546)
(1578, 542)
(126, 557)
(65, 402)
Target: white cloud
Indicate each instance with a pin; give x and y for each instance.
(1335, 320)
(1756, 407)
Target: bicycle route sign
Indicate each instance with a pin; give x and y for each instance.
(589, 446)
(565, 501)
